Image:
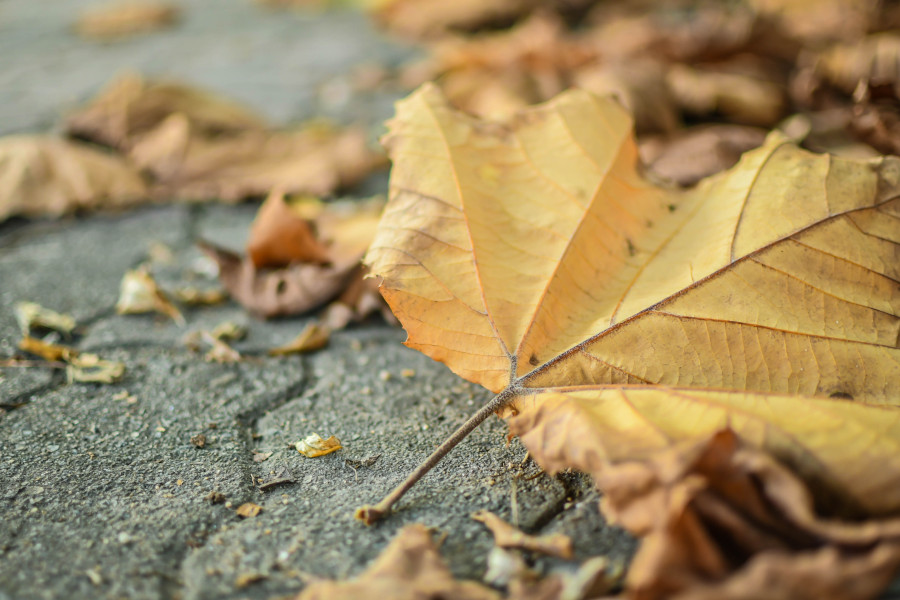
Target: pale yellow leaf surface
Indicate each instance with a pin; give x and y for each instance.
(532, 255)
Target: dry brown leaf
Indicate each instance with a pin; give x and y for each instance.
(410, 568)
(693, 154)
(219, 351)
(123, 19)
(508, 536)
(130, 107)
(139, 294)
(313, 446)
(45, 176)
(313, 337)
(686, 500)
(288, 291)
(619, 318)
(316, 159)
(343, 230)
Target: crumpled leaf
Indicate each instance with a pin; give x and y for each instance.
(130, 107)
(343, 231)
(123, 19)
(508, 536)
(687, 499)
(139, 294)
(410, 568)
(45, 176)
(620, 318)
(32, 314)
(313, 446)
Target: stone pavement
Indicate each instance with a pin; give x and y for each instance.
(102, 493)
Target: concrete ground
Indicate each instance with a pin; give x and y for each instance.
(102, 493)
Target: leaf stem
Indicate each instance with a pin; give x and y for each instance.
(370, 514)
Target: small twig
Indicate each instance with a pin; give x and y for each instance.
(370, 514)
(17, 362)
(514, 501)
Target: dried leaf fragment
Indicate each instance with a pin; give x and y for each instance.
(139, 294)
(508, 536)
(124, 19)
(31, 314)
(90, 368)
(313, 337)
(248, 510)
(410, 568)
(313, 445)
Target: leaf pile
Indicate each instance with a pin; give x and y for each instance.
(620, 319)
(173, 142)
(749, 64)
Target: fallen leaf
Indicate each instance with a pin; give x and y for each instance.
(261, 456)
(313, 337)
(693, 154)
(687, 499)
(31, 314)
(316, 159)
(508, 536)
(410, 568)
(619, 318)
(273, 292)
(343, 231)
(313, 446)
(139, 294)
(248, 510)
(123, 19)
(219, 351)
(45, 176)
(131, 107)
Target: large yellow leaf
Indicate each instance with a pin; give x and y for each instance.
(533, 257)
